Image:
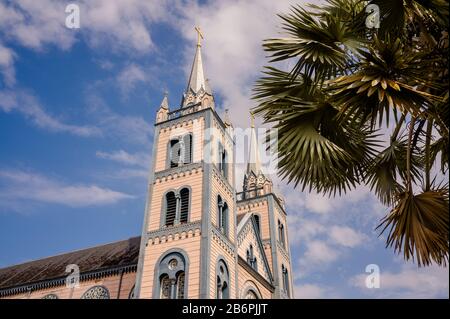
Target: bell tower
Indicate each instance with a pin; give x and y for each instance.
(188, 242)
(259, 198)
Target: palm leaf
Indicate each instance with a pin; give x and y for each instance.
(419, 226)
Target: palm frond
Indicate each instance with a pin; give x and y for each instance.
(318, 44)
(419, 226)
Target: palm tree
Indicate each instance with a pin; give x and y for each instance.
(367, 106)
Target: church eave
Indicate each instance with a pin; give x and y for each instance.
(256, 274)
(59, 281)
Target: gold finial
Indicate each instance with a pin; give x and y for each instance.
(199, 36)
(252, 116)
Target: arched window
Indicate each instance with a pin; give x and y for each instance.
(223, 161)
(281, 234)
(165, 287)
(257, 223)
(187, 143)
(251, 295)
(96, 292)
(177, 207)
(251, 259)
(180, 285)
(285, 277)
(223, 215)
(171, 208)
(175, 152)
(223, 279)
(184, 207)
(50, 296)
(171, 274)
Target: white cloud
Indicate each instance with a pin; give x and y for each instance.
(20, 186)
(120, 25)
(319, 253)
(129, 77)
(28, 105)
(7, 57)
(409, 282)
(35, 24)
(126, 173)
(121, 156)
(309, 291)
(319, 204)
(302, 229)
(346, 236)
(132, 129)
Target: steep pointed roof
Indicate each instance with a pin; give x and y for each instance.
(165, 101)
(254, 162)
(197, 76)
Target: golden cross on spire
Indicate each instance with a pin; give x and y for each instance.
(252, 116)
(199, 36)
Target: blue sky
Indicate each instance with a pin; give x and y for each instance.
(77, 109)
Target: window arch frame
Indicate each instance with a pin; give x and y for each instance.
(177, 219)
(257, 218)
(223, 216)
(92, 288)
(174, 274)
(222, 160)
(285, 280)
(250, 285)
(189, 199)
(222, 279)
(165, 207)
(281, 234)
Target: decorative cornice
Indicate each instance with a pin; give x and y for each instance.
(223, 180)
(59, 281)
(226, 243)
(258, 198)
(187, 228)
(283, 250)
(182, 114)
(178, 170)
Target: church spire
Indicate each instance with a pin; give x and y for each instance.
(165, 101)
(198, 91)
(254, 162)
(197, 76)
(255, 182)
(163, 111)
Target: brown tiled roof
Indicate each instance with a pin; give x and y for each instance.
(120, 253)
